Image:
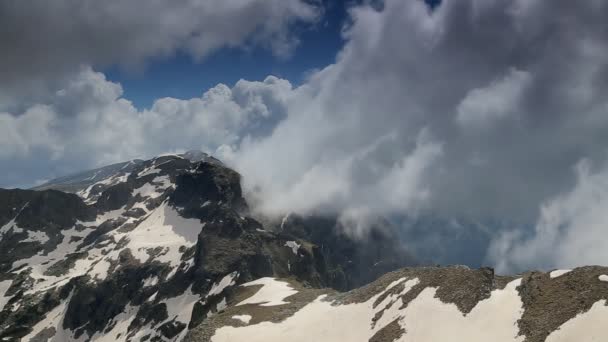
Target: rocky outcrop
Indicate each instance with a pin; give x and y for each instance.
(420, 304)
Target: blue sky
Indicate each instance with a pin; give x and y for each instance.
(182, 77)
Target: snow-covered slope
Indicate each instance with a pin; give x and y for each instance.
(420, 305)
(141, 255)
(90, 184)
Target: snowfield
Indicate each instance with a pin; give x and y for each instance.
(426, 318)
(587, 327)
(272, 293)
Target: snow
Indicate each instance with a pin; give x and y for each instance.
(272, 293)
(586, 327)
(39, 263)
(10, 225)
(121, 324)
(151, 281)
(243, 318)
(36, 236)
(163, 228)
(425, 319)
(493, 319)
(558, 273)
(603, 277)
(4, 285)
(226, 281)
(180, 309)
(109, 181)
(284, 220)
(52, 319)
(221, 305)
(150, 190)
(293, 245)
(320, 320)
(148, 171)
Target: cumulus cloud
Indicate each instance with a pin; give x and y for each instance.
(512, 91)
(88, 123)
(45, 42)
(475, 109)
(501, 98)
(570, 232)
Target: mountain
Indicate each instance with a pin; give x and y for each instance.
(149, 250)
(167, 250)
(90, 184)
(425, 304)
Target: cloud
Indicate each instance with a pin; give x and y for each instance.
(88, 123)
(45, 42)
(473, 109)
(570, 232)
(512, 91)
(483, 106)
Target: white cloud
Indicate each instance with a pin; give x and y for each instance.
(571, 230)
(88, 123)
(494, 70)
(380, 131)
(501, 98)
(45, 42)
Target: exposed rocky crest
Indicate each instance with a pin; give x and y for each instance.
(144, 253)
(420, 304)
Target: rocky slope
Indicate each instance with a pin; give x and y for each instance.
(420, 305)
(148, 250)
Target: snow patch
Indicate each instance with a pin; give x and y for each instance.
(320, 320)
(293, 245)
(164, 228)
(284, 220)
(243, 318)
(53, 319)
(180, 309)
(603, 277)
(221, 305)
(493, 319)
(36, 236)
(586, 327)
(151, 281)
(272, 293)
(228, 280)
(4, 286)
(558, 273)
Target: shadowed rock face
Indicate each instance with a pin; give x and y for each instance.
(349, 262)
(145, 253)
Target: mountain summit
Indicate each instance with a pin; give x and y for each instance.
(148, 250)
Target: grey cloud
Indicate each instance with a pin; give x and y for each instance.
(45, 42)
(478, 109)
(510, 95)
(88, 123)
(571, 229)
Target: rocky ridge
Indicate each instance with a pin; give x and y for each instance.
(421, 304)
(148, 250)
